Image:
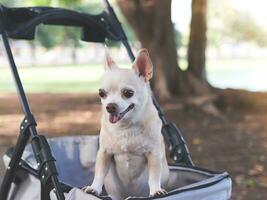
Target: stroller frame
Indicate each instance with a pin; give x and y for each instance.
(20, 23)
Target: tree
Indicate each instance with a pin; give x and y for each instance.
(67, 36)
(148, 19)
(151, 21)
(71, 38)
(197, 40)
(234, 26)
(242, 27)
(49, 36)
(9, 3)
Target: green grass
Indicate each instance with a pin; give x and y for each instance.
(248, 74)
(237, 73)
(53, 79)
(237, 64)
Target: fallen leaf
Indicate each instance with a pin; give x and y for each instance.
(263, 182)
(197, 141)
(250, 182)
(256, 170)
(239, 179)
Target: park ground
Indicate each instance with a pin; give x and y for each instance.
(235, 142)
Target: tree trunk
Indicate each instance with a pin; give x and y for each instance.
(197, 40)
(151, 21)
(33, 53)
(74, 53)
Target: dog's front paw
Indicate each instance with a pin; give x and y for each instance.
(90, 190)
(158, 192)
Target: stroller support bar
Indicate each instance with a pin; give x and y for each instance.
(47, 169)
(27, 130)
(20, 90)
(44, 158)
(27, 122)
(13, 165)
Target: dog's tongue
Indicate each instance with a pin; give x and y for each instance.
(113, 118)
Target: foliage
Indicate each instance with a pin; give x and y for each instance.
(227, 24)
(48, 36)
(245, 29)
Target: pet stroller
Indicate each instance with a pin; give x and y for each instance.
(56, 168)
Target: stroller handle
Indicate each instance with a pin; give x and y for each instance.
(21, 23)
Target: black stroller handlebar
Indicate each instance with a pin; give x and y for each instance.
(21, 23)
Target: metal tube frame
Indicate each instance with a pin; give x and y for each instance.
(28, 131)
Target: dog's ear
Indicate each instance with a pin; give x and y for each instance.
(143, 65)
(109, 64)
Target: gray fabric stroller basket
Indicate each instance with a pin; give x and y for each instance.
(76, 156)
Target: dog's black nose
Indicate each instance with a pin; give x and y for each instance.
(112, 108)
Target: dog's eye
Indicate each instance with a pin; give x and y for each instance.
(127, 93)
(102, 93)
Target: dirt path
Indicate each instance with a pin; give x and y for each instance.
(237, 144)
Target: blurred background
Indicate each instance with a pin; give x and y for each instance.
(210, 60)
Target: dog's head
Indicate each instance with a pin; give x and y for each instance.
(124, 92)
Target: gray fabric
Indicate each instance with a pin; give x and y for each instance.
(76, 160)
(74, 156)
(29, 189)
(75, 194)
(219, 191)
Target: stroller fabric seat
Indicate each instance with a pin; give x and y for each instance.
(76, 155)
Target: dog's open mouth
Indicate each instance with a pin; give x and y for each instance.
(113, 118)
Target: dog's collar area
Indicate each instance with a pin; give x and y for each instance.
(113, 118)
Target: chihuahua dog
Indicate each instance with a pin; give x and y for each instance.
(131, 158)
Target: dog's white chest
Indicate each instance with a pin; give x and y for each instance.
(129, 166)
(129, 145)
